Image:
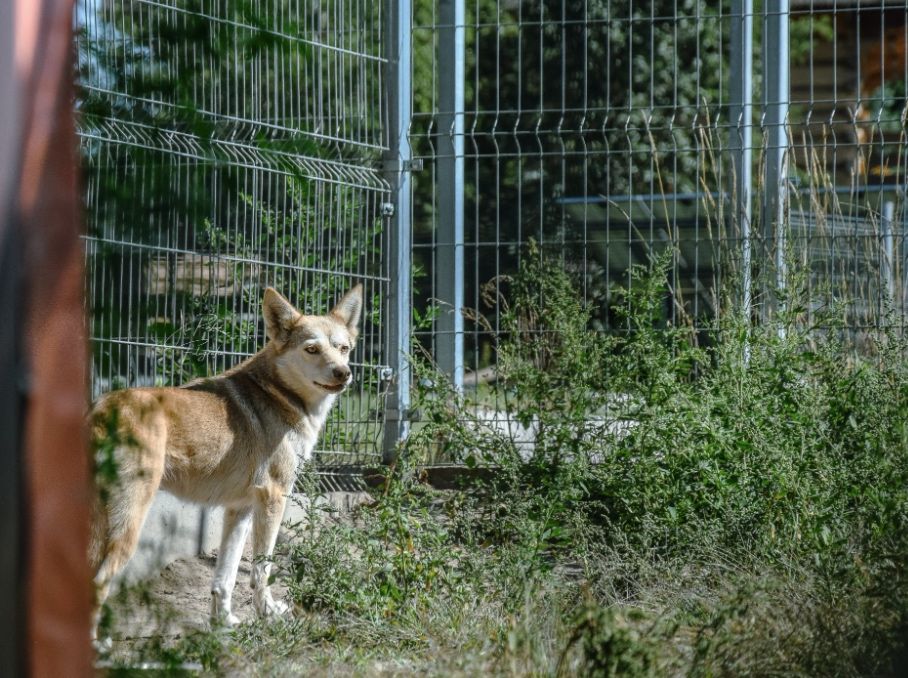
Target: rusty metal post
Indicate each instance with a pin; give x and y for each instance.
(56, 597)
(10, 454)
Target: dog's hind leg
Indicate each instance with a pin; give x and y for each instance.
(269, 511)
(236, 529)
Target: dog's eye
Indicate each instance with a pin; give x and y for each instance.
(344, 349)
(312, 348)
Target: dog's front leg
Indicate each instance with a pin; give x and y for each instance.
(233, 539)
(269, 511)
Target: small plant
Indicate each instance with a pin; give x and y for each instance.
(389, 563)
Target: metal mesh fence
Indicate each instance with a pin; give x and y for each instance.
(228, 146)
(756, 141)
(586, 128)
(848, 163)
(231, 144)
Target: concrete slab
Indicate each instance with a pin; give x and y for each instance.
(177, 529)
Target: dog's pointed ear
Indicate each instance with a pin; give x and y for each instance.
(349, 308)
(280, 316)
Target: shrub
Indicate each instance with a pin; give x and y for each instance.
(770, 465)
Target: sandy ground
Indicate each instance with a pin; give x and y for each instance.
(174, 602)
(175, 599)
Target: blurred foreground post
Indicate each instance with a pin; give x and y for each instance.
(43, 351)
(10, 457)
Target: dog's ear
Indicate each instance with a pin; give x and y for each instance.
(280, 316)
(348, 310)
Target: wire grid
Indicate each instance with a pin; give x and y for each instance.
(848, 139)
(561, 118)
(602, 130)
(228, 146)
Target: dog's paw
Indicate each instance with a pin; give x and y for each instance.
(266, 606)
(102, 646)
(221, 615)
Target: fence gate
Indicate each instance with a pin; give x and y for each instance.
(229, 145)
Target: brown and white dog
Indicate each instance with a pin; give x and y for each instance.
(233, 440)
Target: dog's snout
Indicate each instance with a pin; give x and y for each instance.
(342, 373)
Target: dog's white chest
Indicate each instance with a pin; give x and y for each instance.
(301, 442)
(302, 439)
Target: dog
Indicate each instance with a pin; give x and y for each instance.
(232, 440)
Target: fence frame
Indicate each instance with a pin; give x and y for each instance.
(398, 167)
(450, 161)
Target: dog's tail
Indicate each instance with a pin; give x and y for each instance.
(128, 470)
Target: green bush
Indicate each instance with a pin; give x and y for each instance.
(765, 466)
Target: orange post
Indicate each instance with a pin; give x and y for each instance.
(55, 467)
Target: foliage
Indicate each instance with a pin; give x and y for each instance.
(391, 562)
(765, 469)
(733, 511)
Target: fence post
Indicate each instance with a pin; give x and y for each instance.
(449, 252)
(887, 255)
(398, 213)
(776, 97)
(12, 614)
(741, 135)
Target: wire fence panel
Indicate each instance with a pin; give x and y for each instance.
(609, 132)
(848, 139)
(228, 146)
(588, 129)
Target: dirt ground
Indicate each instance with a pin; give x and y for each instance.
(175, 601)
(178, 597)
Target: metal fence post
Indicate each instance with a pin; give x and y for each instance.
(776, 96)
(398, 212)
(741, 135)
(449, 264)
(887, 269)
(12, 614)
